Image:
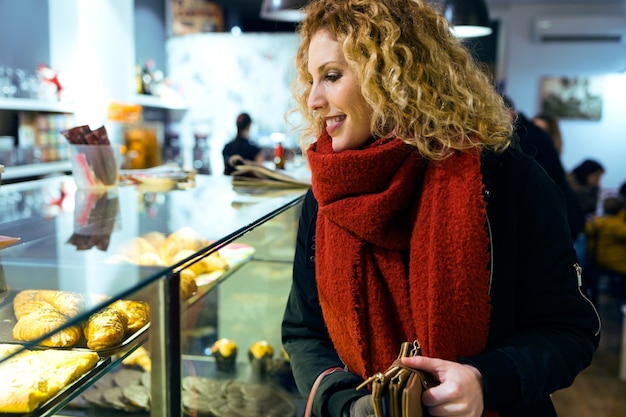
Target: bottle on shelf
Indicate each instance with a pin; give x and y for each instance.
(147, 77)
(172, 149)
(201, 154)
(279, 156)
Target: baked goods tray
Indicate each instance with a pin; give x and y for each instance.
(58, 401)
(7, 321)
(135, 339)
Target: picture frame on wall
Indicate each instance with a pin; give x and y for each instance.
(572, 97)
(196, 16)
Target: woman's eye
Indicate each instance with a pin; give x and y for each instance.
(333, 76)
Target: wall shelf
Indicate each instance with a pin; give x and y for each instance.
(25, 104)
(33, 170)
(159, 102)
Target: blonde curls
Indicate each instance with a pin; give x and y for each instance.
(420, 81)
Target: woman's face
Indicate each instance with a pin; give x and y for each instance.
(336, 95)
(541, 123)
(594, 178)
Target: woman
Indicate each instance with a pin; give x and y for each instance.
(423, 224)
(585, 181)
(550, 124)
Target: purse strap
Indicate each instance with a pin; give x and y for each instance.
(318, 380)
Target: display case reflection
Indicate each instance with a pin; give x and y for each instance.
(4, 290)
(95, 219)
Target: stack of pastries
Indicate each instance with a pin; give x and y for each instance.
(159, 249)
(39, 312)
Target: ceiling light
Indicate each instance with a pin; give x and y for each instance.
(468, 18)
(283, 10)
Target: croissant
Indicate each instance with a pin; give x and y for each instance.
(105, 329)
(156, 239)
(188, 238)
(69, 304)
(43, 321)
(188, 285)
(24, 309)
(137, 313)
(136, 247)
(214, 262)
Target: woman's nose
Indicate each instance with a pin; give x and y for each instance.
(316, 98)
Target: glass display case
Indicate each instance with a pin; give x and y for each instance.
(206, 268)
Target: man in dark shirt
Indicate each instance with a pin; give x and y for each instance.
(241, 145)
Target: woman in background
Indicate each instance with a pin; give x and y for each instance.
(585, 182)
(550, 124)
(422, 223)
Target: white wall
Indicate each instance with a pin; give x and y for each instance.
(222, 75)
(523, 62)
(92, 45)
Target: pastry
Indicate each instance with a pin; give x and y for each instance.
(214, 262)
(43, 321)
(136, 247)
(137, 313)
(188, 285)
(105, 329)
(30, 378)
(181, 256)
(225, 353)
(188, 238)
(208, 264)
(22, 309)
(150, 259)
(156, 239)
(260, 355)
(69, 304)
(139, 357)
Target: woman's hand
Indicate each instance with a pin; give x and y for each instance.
(459, 392)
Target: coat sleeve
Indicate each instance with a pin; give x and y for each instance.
(544, 328)
(304, 334)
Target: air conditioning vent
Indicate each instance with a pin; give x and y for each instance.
(579, 29)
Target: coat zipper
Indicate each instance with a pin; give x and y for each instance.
(579, 275)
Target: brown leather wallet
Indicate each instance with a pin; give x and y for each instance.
(397, 392)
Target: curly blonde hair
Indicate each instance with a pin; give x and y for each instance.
(420, 81)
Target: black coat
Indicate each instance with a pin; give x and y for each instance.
(543, 328)
(537, 143)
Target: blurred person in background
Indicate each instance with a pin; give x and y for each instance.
(537, 143)
(606, 241)
(241, 145)
(585, 181)
(550, 124)
(622, 191)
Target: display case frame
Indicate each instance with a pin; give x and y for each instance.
(55, 200)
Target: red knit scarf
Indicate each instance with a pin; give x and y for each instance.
(402, 252)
